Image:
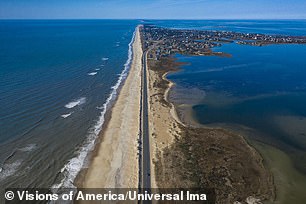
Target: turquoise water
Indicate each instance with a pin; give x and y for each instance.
(262, 88)
(55, 84)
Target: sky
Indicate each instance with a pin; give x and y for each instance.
(152, 9)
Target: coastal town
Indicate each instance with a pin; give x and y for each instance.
(199, 42)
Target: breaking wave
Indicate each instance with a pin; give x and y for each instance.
(66, 115)
(9, 169)
(76, 102)
(92, 73)
(74, 165)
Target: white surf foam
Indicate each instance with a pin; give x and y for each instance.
(76, 102)
(97, 69)
(74, 165)
(105, 58)
(9, 169)
(28, 148)
(66, 115)
(92, 73)
(11, 166)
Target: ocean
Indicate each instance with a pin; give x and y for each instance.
(58, 78)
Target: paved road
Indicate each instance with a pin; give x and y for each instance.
(146, 159)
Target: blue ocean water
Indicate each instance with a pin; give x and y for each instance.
(56, 77)
(262, 88)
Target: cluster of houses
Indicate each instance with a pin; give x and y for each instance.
(170, 41)
(199, 42)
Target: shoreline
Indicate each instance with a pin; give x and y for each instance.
(287, 183)
(75, 177)
(173, 110)
(170, 133)
(282, 191)
(114, 161)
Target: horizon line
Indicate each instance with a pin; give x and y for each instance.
(152, 18)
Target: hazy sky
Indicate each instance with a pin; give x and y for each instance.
(152, 9)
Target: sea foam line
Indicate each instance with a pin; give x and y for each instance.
(92, 73)
(74, 165)
(76, 102)
(66, 115)
(10, 166)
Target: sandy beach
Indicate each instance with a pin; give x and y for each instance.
(115, 163)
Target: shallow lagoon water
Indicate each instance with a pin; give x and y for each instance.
(262, 89)
(258, 87)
